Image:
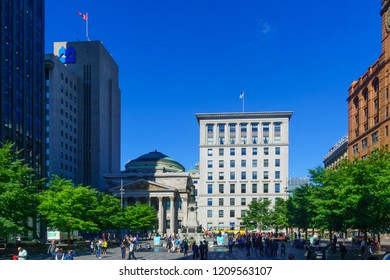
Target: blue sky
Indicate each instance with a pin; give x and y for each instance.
(178, 58)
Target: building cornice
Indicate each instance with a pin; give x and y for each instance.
(249, 115)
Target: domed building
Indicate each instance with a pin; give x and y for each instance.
(162, 182)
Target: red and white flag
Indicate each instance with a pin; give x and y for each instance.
(84, 16)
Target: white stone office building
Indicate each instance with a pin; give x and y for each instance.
(243, 157)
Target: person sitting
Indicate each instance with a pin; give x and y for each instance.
(22, 256)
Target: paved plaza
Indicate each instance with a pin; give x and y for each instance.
(214, 253)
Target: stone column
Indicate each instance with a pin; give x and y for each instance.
(160, 216)
(184, 208)
(173, 215)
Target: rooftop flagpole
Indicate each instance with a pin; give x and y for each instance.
(85, 17)
(242, 96)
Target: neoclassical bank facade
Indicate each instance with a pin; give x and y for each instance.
(157, 179)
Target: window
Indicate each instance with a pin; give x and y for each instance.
(232, 213)
(210, 163)
(243, 201)
(266, 163)
(232, 201)
(232, 188)
(243, 133)
(254, 175)
(232, 133)
(221, 151)
(209, 202)
(243, 188)
(220, 213)
(220, 201)
(374, 137)
(255, 133)
(232, 175)
(232, 151)
(209, 188)
(277, 187)
(209, 213)
(277, 132)
(364, 143)
(221, 163)
(265, 133)
(221, 188)
(243, 175)
(243, 163)
(254, 163)
(209, 175)
(277, 174)
(277, 150)
(254, 151)
(243, 213)
(266, 151)
(265, 188)
(277, 162)
(210, 134)
(265, 176)
(221, 134)
(254, 188)
(221, 176)
(209, 152)
(168, 205)
(243, 151)
(232, 163)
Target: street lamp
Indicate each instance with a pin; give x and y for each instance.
(122, 191)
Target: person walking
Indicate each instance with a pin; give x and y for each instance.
(131, 250)
(248, 245)
(283, 250)
(201, 250)
(185, 247)
(195, 251)
(206, 249)
(51, 250)
(343, 250)
(123, 250)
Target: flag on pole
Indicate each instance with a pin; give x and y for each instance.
(242, 95)
(84, 16)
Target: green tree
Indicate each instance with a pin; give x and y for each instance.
(259, 215)
(279, 214)
(141, 216)
(18, 192)
(107, 211)
(68, 207)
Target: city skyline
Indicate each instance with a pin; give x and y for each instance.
(180, 59)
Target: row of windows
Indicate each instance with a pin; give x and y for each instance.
(221, 163)
(221, 214)
(243, 189)
(232, 151)
(374, 139)
(70, 82)
(221, 175)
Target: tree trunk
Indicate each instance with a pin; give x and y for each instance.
(365, 255)
(379, 241)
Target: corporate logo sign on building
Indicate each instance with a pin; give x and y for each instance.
(67, 55)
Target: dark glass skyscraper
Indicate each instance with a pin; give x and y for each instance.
(22, 79)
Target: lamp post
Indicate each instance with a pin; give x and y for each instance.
(122, 191)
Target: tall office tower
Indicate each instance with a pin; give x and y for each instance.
(21, 79)
(369, 101)
(86, 109)
(243, 157)
(61, 109)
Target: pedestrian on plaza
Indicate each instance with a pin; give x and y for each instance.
(283, 250)
(123, 250)
(248, 245)
(261, 247)
(98, 248)
(230, 244)
(51, 250)
(185, 247)
(22, 255)
(275, 247)
(69, 255)
(334, 244)
(195, 251)
(343, 250)
(105, 246)
(201, 250)
(131, 250)
(239, 242)
(92, 247)
(206, 249)
(59, 255)
(363, 247)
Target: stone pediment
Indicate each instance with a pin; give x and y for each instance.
(149, 186)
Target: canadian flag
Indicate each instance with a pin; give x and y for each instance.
(84, 16)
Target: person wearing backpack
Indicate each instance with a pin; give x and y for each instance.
(343, 250)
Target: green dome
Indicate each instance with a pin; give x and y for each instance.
(154, 161)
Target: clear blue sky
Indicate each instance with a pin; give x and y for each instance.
(178, 58)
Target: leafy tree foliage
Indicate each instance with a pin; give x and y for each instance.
(279, 214)
(68, 207)
(105, 215)
(18, 198)
(259, 215)
(141, 216)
